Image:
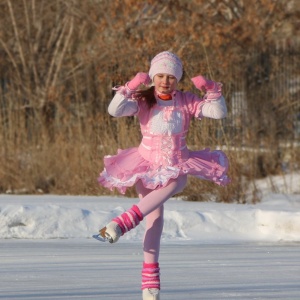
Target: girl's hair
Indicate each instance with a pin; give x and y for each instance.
(146, 95)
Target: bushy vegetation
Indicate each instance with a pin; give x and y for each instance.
(60, 59)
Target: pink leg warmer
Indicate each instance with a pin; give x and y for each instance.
(150, 276)
(129, 219)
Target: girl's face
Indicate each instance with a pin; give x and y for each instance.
(165, 83)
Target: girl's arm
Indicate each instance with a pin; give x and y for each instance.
(121, 106)
(215, 109)
(213, 104)
(123, 103)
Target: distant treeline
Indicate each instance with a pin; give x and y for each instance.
(60, 59)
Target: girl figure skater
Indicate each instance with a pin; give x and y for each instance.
(158, 168)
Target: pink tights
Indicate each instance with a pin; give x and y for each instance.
(151, 206)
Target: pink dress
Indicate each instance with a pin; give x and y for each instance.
(163, 153)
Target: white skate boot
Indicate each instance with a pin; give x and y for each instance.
(151, 294)
(111, 232)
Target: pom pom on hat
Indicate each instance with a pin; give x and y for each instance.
(166, 63)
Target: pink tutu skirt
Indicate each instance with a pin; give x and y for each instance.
(128, 166)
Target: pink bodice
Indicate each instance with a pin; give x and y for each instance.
(164, 129)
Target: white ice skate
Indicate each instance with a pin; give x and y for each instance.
(151, 294)
(111, 232)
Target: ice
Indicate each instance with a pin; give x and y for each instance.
(209, 250)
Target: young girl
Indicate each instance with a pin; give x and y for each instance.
(158, 168)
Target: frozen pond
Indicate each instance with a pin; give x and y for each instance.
(88, 269)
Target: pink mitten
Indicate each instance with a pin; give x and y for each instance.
(213, 89)
(202, 83)
(140, 78)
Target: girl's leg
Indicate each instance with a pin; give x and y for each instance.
(155, 198)
(151, 270)
(151, 206)
(154, 227)
(150, 202)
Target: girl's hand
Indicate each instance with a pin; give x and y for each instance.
(140, 78)
(212, 89)
(204, 84)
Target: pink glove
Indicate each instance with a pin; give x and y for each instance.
(212, 88)
(140, 78)
(202, 83)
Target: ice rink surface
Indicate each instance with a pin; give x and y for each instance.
(88, 269)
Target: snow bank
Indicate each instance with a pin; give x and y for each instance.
(276, 218)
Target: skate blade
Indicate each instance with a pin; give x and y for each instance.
(100, 238)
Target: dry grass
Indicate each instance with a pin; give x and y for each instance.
(59, 60)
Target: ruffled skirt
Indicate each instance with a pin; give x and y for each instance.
(128, 166)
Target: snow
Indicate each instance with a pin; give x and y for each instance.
(209, 250)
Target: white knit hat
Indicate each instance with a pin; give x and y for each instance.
(166, 63)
